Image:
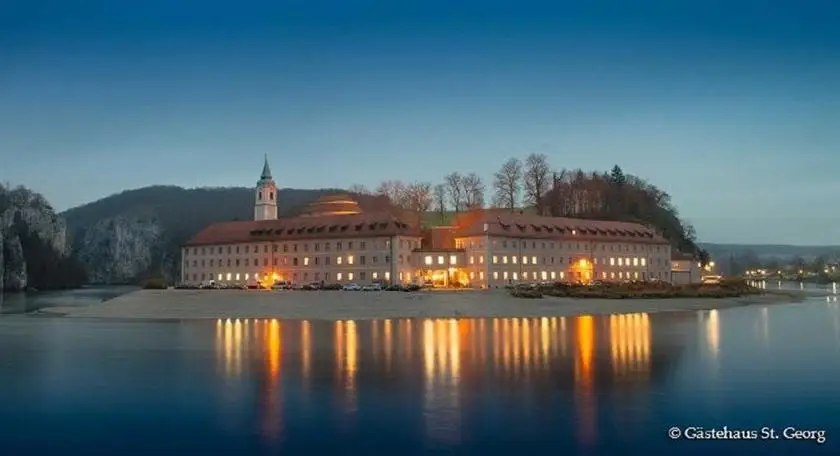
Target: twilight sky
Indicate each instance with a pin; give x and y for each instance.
(732, 107)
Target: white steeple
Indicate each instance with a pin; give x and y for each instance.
(265, 206)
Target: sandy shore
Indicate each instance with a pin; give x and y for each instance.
(339, 305)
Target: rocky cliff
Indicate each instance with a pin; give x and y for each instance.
(29, 231)
(137, 234)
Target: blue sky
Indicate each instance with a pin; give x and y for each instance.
(731, 107)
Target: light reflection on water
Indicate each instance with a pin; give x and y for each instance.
(518, 348)
(593, 382)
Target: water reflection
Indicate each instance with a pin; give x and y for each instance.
(545, 353)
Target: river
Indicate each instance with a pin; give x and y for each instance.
(573, 385)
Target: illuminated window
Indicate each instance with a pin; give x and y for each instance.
(495, 275)
(515, 276)
(306, 261)
(219, 277)
(562, 275)
(533, 260)
(246, 276)
(505, 275)
(544, 275)
(635, 261)
(472, 259)
(603, 275)
(627, 261)
(441, 259)
(636, 275)
(237, 276)
(481, 259)
(621, 261)
(620, 275)
(612, 261)
(388, 275)
(228, 276)
(428, 260)
(495, 259)
(513, 259)
(338, 276)
(350, 261)
(374, 275)
(612, 275)
(337, 260)
(453, 259)
(349, 276)
(643, 261)
(524, 275)
(524, 260)
(481, 275)
(401, 276)
(472, 275)
(553, 275)
(504, 259)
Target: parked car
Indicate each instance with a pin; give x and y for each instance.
(351, 287)
(312, 286)
(281, 285)
(372, 287)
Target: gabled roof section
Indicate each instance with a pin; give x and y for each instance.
(370, 224)
(513, 224)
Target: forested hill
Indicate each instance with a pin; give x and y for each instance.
(137, 233)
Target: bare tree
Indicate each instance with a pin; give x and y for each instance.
(418, 196)
(473, 188)
(395, 191)
(359, 189)
(455, 189)
(537, 180)
(439, 194)
(507, 184)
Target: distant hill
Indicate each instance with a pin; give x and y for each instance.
(769, 251)
(137, 233)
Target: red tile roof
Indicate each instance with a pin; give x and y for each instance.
(296, 228)
(513, 224)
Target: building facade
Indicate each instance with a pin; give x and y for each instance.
(356, 239)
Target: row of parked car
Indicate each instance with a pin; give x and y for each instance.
(284, 285)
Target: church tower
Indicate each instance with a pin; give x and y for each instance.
(265, 206)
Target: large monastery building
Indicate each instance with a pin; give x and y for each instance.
(361, 239)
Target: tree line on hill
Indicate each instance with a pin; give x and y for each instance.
(533, 185)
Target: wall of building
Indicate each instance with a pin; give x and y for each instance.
(516, 260)
(685, 272)
(360, 260)
(488, 261)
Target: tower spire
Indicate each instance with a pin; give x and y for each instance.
(266, 172)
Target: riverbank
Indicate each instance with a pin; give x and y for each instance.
(342, 305)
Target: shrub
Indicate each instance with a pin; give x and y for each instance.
(638, 290)
(525, 293)
(155, 283)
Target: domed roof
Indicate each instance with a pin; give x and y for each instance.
(335, 204)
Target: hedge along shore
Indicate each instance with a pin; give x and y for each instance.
(359, 305)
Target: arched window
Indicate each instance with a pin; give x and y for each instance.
(259, 195)
(271, 196)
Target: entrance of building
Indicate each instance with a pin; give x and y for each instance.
(581, 270)
(445, 278)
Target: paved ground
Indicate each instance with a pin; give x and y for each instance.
(347, 305)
